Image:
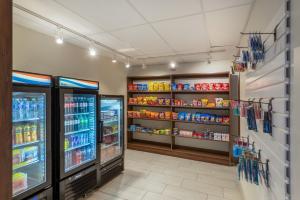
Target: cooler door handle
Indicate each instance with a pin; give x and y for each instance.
(100, 136)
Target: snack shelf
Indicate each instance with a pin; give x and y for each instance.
(215, 88)
(15, 146)
(182, 121)
(199, 139)
(75, 166)
(187, 107)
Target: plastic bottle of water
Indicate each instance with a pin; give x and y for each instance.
(21, 108)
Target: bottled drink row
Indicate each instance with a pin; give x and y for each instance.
(26, 108)
(25, 133)
(78, 105)
(76, 123)
(73, 158)
(76, 140)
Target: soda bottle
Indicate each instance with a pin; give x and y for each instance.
(33, 132)
(78, 157)
(21, 108)
(14, 109)
(67, 143)
(35, 107)
(27, 135)
(19, 134)
(86, 122)
(27, 108)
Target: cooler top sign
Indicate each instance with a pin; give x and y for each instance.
(75, 83)
(31, 79)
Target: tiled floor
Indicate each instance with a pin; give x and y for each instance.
(155, 177)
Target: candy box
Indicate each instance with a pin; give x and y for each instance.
(186, 86)
(174, 116)
(219, 119)
(197, 86)
(161, 115)
(151, 86)
(140, 87)
(204, 102)
(135, 87)
(181, 115)
(226, 120)
(161, 86)
(205, 86)
(188, 117)
(167, 86)
(130, 87)
(218, 86)
(180, 86)
(212, 118)
(168, 102)
(174, 86)
(168, 115)
(219, 102)
(161, 101)
(226, 103)
(155, 86)
(130, 114)
(195, 102)
(225, 86)
(148, 114)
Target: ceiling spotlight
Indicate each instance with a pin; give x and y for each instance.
(114, 60)
(127, 65)
(59, 39)
(172, 65)
(92, 50)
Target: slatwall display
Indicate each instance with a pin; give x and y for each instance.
(271, 80)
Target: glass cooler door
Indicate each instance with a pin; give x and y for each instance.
(29, 141)
(111, 117)
(79, 130)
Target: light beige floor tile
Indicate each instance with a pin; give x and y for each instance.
(211, 197)
(183, 194)
(232, 184)
(124, 191)
(203, 187)
(232, 194)
(102, 196)
(154, 196)
(181, 173)
(148, 185)
(165, 179)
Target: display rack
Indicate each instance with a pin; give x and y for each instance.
(176, 145)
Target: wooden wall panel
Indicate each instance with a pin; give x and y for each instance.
(5, 99)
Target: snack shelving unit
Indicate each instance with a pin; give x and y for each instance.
(207, 150)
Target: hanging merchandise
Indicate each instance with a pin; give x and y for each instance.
(250, 167)
(251, 121)
(235, 106)
(239, 67)
(267, 122)
(257, 110)
(257, 49)
(243, 108)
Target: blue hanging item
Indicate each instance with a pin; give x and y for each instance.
(251, 121)
(267, 122)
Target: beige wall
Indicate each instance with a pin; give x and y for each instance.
(184, 68)
(36, 52)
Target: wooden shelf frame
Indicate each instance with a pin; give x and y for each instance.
(173, 149)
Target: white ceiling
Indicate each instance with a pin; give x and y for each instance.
(147, 28)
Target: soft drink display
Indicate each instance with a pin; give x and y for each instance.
(111, 112)
(29, 168)
(80, 130)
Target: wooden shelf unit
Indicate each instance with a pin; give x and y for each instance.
(172, 148)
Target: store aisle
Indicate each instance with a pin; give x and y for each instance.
(156, 177)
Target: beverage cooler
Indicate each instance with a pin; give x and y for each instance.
(76, 137)
(112, 137)
(31, 117)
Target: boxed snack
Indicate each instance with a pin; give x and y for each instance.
(218, 86)
(167, 86)
(225, 86)
(219, 119)
(205, 86)
(186, 86)
(161, 115)
(211, 105)
(152, 115)
(174, 86)
(168, 102)
(148, 114)
(140, 87)
(204, 102)
(226, 120)
(219, 102)
(161, 101)
(150, 86)
(180, 86)
(212, 86)
(161, 86)
(188, 117)
(130, 114)
(181, 115)
(156, 115)
(226, 103)
(195, 102)
(155, 86)
(197, 86)
(168, 115)
(212, 118)
(130, 87)
(174, 116)
(135, 87)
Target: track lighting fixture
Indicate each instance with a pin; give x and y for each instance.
(92, 50)
(59, 39)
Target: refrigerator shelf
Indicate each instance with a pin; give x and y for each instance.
(77, 147)
(25, 144)
(111, 121)
(114, 133)
(109, 145)
(26, 120)
(80, 131)
(75, 166)
(25, 164)
(72, 114)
